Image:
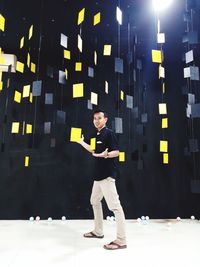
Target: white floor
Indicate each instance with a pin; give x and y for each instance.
(160, 243)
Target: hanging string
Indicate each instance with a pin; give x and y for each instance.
(38, 68)
(118, 74)
(6, 81)
(129, 82)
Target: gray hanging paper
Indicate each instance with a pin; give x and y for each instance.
(139, 64)
(129, 101)
(48, 99)
(192, 37)
(60, 116)
(191, 99)
(194, 73)
(195, 110)
(189, 56)
(135, 112)
(118, 125)
(89, 105)
(144, 118)
(140, 129)
(50, 71)
(193, 145)
(90, 72)
(63, 40)
(37, 88)
(62, 77)
(53, 142)
(47, 127)
(119, 66)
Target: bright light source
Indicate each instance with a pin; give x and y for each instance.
(160, 5)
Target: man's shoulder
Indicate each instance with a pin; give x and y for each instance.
(109, 132)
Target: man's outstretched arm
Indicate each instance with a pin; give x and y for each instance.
(85, 145)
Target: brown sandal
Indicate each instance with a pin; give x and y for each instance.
(117, 246)
(92, 235)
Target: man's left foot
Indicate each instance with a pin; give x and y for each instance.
(113, 246)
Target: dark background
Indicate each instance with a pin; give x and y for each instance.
(58, 180)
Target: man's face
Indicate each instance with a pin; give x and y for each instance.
(99, 120)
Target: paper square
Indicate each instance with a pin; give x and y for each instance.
(15, 127)
(78, 90)
(75, 135)
(162, 108)
(107, 50)
(163, 146)
(97, 19)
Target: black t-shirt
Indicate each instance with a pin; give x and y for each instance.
(105, 167)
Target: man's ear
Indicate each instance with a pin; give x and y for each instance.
(106, 119)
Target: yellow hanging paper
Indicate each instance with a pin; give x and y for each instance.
(157, 56)
(2, 60)
(33, 67)
(30, 34)
(31, 98)
(15, 127)
(122, 95)
(2, 23)
(97, 19)
(28, 60)
(22, 42)
(75, 135)
(67, 54)
(29, 128)
(1, 82)
(93, 144)
(163, 146)
(26, 161)
(121, 156)
(20, 66)
(107, 50)
(165, 123)
(95, 57)
(17, 97)
(166, 158)
(81, 16)
(78, 90)
(66, 74)
(78, 66)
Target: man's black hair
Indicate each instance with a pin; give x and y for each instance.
(101, 110)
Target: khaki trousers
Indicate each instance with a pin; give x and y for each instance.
(106, 188)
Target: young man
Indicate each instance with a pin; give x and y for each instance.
(105, 173)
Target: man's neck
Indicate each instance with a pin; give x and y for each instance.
(99, 129)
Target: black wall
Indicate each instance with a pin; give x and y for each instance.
(58, 180)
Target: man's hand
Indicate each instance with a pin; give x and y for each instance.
(104, 154)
